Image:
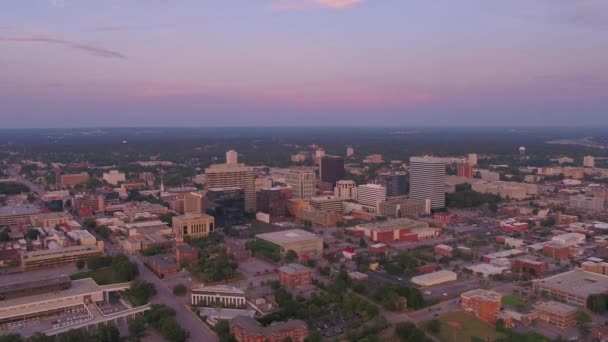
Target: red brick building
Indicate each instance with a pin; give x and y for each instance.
(246, 329)
(516, 227)
(378, 248)
(402, 229)
(446, 218)
(162, 265)
(292, 275)
(557, 251)
(443, 250)
(481, 304)
(465, 170)
(526, 265)
(186, 254)
(426, 268)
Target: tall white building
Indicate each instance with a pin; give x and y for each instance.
(473, 158)
(588, 161)
(350, 151)
(427, 180)
(370, 196)
(346, 190)
(302, 181)
(232, 157)
(114, 177)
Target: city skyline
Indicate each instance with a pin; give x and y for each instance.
(303, 62)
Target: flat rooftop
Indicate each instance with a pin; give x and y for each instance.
(19, 210)
(485, 295)
(34, 284)
(556, 307)
(288, 236)
(294, 268)
(576, 281)
(79, 288)
(394, 224)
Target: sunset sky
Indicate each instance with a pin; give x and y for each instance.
(81, 63)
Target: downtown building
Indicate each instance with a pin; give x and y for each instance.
(427, 180)
(233, 175)
(370, 196)
(395, 183)
(302, 181)
(346, 190)
(331, 169)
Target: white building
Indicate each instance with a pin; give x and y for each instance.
(232, 157)
(346, 190)
(587, 203)
(569, 239)
(302, 181)
(473, 158)
(370, 196)
(589, 161)
(350, 151)
(486, 270)
(114, 177)
(427, 179)
(219, 295)
(434, 278)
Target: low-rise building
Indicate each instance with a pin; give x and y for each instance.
(292, 275)
(298, 240)
(218, 296)
(569, 239)
(510, 253)
(434, 278)
(162, 264)
(573, 287)
(481, 304)
(11, 215)
(58, 256)
(527, 265)
(556, 313)
(396, 230)
(193, 225)
(402, 206)
(247, 329)
(444, 250)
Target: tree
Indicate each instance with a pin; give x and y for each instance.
(408, 332)
(362, 243)
(137, 326)
(90, 222)
(140, 292)
(291, 255)
(32, 234)
(434, 326)
(107, 333)
(582, 321)
(172, 331)
(597, 303)
(500, 325)
(4, 235)
(179, 290)
(80, 264)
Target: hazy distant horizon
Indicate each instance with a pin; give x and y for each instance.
(303, 62)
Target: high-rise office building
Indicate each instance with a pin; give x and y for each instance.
(370, 196)
(473, 159)
(232, 157)
(395, 182)
(427, 180)
(346, 190)
(302, 181)
(589, 161)
(331, 169)
(233, 175)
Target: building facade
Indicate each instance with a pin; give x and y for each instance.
(246, 329)
(395, 183)
(233, 175)
(193, 225)
(481, 304)
(331, 169)
(302, 181)
(427, 180)
(370, 196)
(346, 190)
(292, 275)
(219, 296)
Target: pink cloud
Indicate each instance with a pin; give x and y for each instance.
(92, 49)
(301, 5)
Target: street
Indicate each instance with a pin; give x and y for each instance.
(186, 318)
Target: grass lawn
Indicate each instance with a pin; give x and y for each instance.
(515, 301)
(101, 276)
(457, 327)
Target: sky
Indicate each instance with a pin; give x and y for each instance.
(189, 63)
